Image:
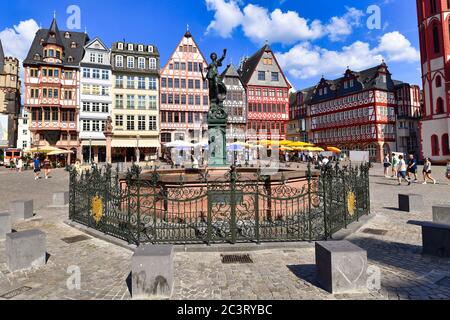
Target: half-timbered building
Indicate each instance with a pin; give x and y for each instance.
(267, 95)
(52, 82)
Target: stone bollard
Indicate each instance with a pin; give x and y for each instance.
(410, 202)
(20, 209)
(152, 272)
(441, 214)
(5, 225)
(61, 198)
(341, 267)
(25, 250)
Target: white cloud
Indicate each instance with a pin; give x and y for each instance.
(398, 48)
(306, 61)
(340, 27)
(17, 40)
(259, 24)
(227, 17)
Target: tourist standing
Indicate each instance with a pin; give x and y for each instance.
(412, 168)
(402, 168)
(394, 163)
(46, 167)
(36, 167)
(386, 164)
(19, 165)
(427, 172)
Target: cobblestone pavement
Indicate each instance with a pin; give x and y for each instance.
(275, 274)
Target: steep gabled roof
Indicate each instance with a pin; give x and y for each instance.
(250, 64)
(2, 57)
(230, 71)
(76, 53)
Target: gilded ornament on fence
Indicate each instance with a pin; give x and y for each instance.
(351, 203)
(97, 209)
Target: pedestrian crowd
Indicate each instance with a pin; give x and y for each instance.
(398, 167)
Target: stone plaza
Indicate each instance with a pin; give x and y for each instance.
(280, 272)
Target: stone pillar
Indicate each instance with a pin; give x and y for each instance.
(5, 225)
(25, 249)
(96, 154)
(108, 135)
(152, 272)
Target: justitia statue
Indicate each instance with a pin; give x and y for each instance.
(217, 116)
(217, 89)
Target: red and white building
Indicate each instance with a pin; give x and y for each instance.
(184, 102)
(52, 82)
(355, 112)
(267, 95)
(434, 31)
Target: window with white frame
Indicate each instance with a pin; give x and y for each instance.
(96, 125)
(119, 120)
(96, 74)
(130, 47)
(130, 62)
(105, 107)
(86, 125)
(152, 83)
(119, 61)
(86, 73)
(86, 107)
(119, 82)
(105, 75)
(141, 83)
(130, 82)
(100, 58)
(141, 102)
(92, 57)
(152, 100)
(130, 123)
(130, 101)
(141, 48)
(150, 48)
(152, 63)
(95, 107)
(152, 125)
(120, 46)
(141, 123)
(141, 63)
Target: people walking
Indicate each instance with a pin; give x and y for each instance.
(412, 168)
(46, 167)
(36, 167)
(19, 165)
(427, 172)
(394, 164)
(386, 165)
(402, 168)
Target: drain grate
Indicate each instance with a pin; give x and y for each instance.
(444, 282)
(75, 239)
(236, 258)
(16, 292)
(377, 232)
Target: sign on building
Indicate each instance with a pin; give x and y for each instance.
(4, 125)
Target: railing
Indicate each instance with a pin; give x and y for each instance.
(142, 209)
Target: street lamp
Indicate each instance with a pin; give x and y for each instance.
(138, 153)
(90, 150)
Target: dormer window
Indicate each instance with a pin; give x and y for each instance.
(67, 35)
(73, 44)
(120, 46)
(37, 57)
(150, 48)
(325, 90)
(130, 47)
(141, 48)
(42, 42)
(70, 59)
(352, 83)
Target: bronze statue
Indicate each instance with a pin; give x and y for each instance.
(217, 89)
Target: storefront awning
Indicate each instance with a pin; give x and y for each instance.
(133, 143)
(98, 143)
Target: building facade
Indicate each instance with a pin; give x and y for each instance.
(355, 112)
(294, 124)
(235, 105)
(52, 82)
(23, 131)
(96, 100)
(135, 111)
(409, 111)
(434, 30)
(10, 90)
(267, 95)
(184, 95)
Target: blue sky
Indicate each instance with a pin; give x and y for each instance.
(310, 38)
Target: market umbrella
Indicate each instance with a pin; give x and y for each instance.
(58, 152)
(334, 149)
(239, 143)
(314, 149)
(285, 142)
(179, 144)
(300, 144)
(44, 149)
(286, 149)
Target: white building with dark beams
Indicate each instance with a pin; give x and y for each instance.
(96, 100)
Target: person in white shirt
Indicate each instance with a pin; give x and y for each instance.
(402, 168)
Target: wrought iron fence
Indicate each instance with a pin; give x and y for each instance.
(142, 208)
